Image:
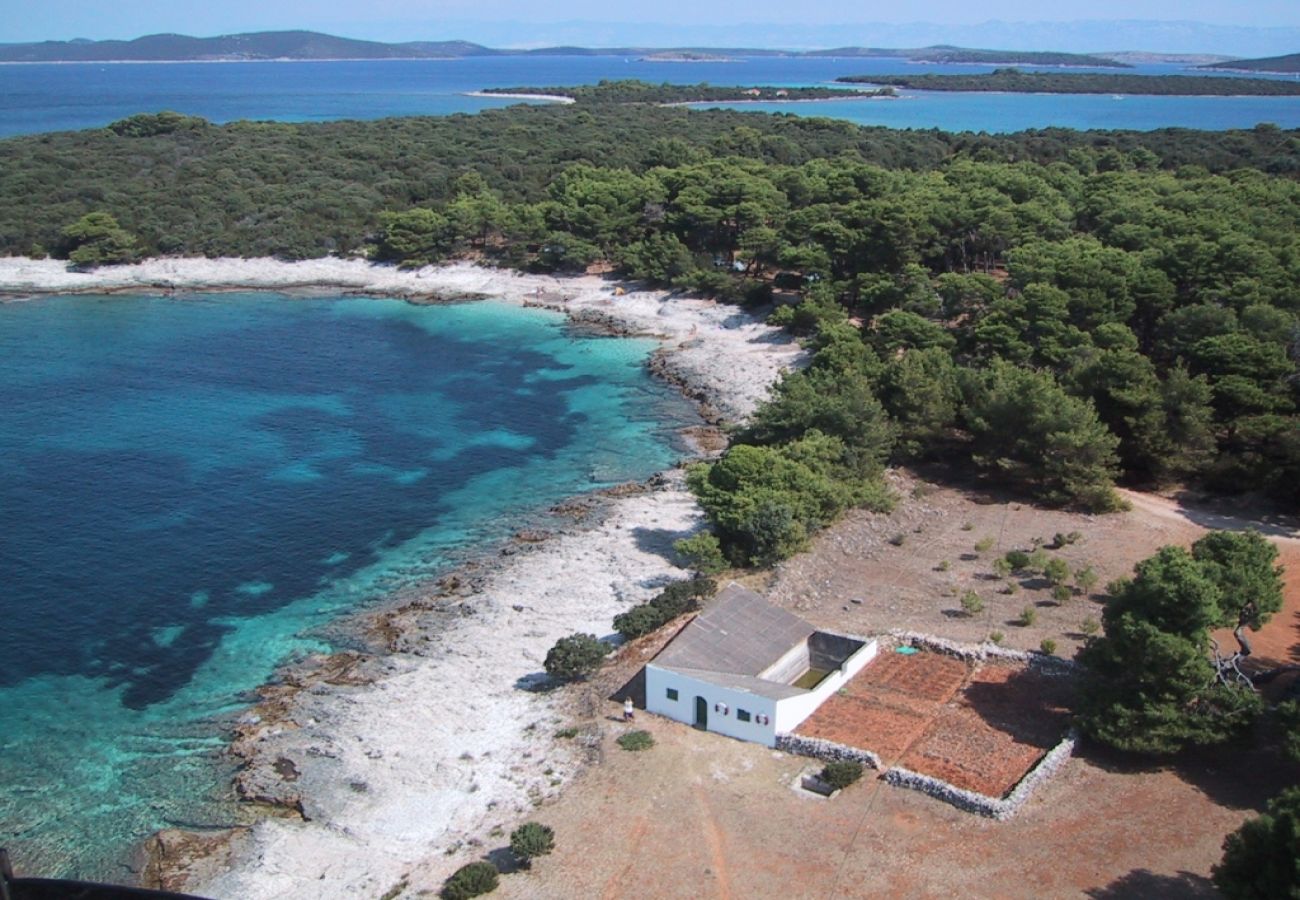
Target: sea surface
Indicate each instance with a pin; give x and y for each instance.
(55, 97)
(193, 487)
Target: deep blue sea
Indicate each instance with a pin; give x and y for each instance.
(54, 97)
(192, 486)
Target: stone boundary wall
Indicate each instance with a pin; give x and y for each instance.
(827, 751)
(982, 804)
(985, 652)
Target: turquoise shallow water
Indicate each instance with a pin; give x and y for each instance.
(190, 487)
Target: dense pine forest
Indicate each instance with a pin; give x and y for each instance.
(1056, 309)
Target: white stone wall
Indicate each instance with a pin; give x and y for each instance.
(658, 681)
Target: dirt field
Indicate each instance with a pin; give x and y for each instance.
(980, 727)
(700, 815)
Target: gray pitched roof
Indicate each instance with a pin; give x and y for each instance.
(740, 633)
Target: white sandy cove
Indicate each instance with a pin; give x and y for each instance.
(444, 746)
(718, 349)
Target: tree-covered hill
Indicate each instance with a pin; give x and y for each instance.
(634, 91)
(1016, 81)
(1288, 63)
(1056, 308)
(966, 55)
(251, 46)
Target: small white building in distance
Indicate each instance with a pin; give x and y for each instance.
(750, 670)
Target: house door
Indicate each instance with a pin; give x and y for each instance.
(701, 714)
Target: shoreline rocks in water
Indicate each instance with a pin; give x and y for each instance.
(371, 765)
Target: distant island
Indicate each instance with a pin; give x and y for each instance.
(947, 54)
(685, 56)
(311, 45)
(1016, 81)
(1141, 57)
(633, 91)
(1288, 63)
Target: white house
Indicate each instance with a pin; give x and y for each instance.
(750, 670)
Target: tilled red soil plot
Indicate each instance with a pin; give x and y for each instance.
(979, 727)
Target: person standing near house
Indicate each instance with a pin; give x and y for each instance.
(628, 709)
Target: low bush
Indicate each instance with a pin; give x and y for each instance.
(1061, 593)
(841, 774)
(472, 880)
(636, 741)
(1048, 646)
(1028, 616)
(531, 840)
(575, 656)
(984, 545)
(971, 603)
(703, 552)
(1057, 571)
(1018, 560)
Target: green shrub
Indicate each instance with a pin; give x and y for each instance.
(967, 526)
(472, 880)
(1090, 626)
(1048, 646)
(841, 774)
(996, 637)
(683, 596)
(1028, 616)
(1001, 568)
(984, 545)
(1057, 571)
(531, 840)
(636, 741)
(567, 733)
(97, 240)
(1061, 593)
(1018, 560)
(1064, 540)
(1037, 561)
(1085, 579)
(971, 603)
(898, 540)
(703, 552)
(638, 621)
(575, 656)
(944, 566)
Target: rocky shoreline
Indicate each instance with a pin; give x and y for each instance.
(395, 763)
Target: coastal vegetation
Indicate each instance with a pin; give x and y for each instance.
(1054, 309)
(1156, 681)
(1260, 861)
(471, 880)
(1287, 63)
(531, 840)
(1017, 81)
(674, 600)
(948, 54)
(575, 657)
(633, 91)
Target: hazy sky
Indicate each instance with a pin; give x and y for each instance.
(24, 20)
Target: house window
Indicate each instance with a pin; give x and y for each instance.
(672, 693)
(742, 715)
